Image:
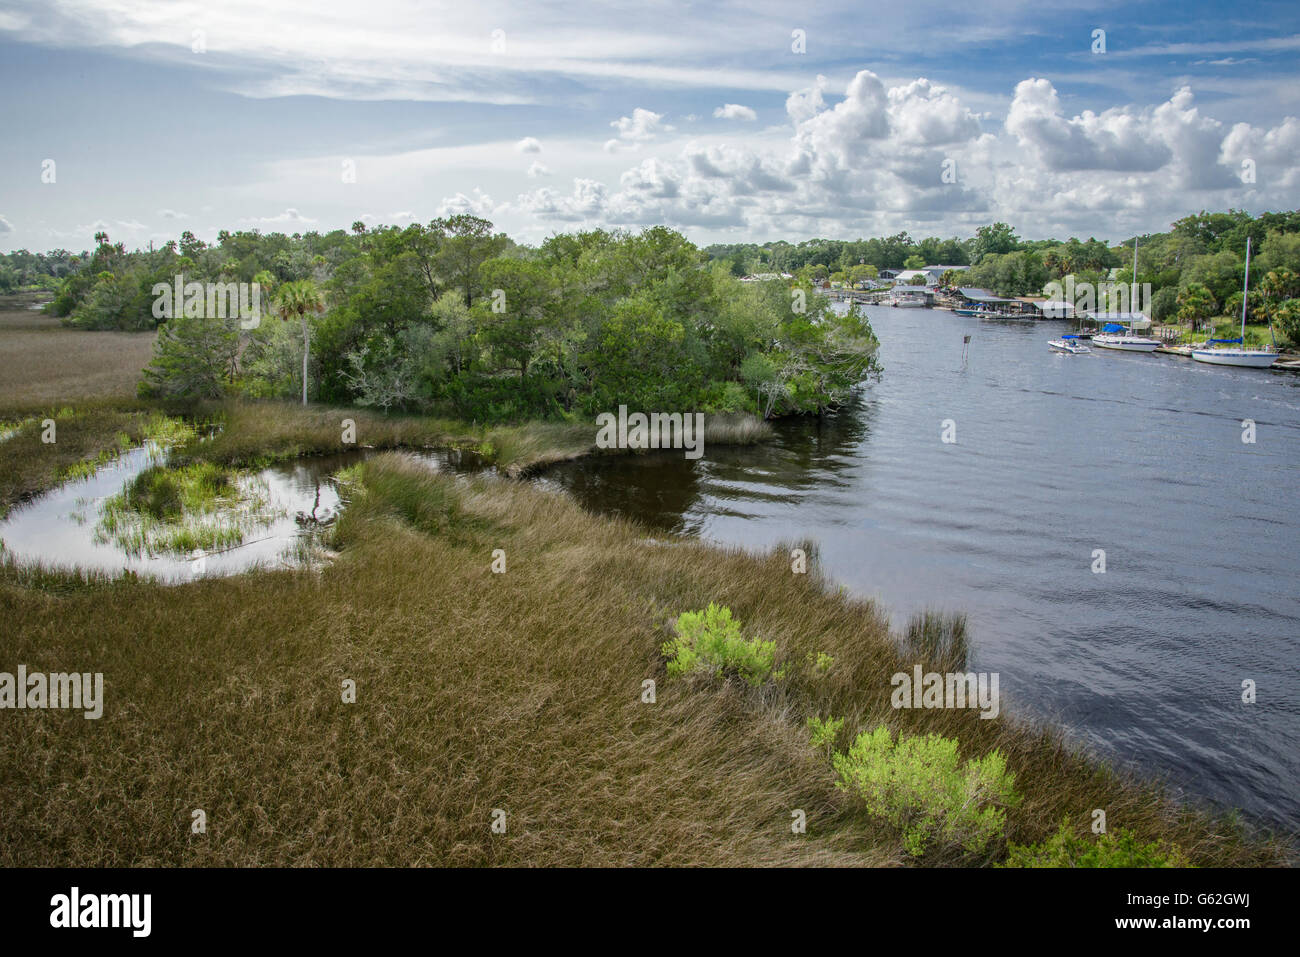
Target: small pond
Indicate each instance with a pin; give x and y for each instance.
(62, 528)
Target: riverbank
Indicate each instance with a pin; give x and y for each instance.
(85, 382)
(477, 691)
(256, 434)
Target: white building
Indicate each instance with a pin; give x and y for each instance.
(932, 274)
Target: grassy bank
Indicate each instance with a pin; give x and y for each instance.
(259, 433)
(1229, 327)
(83, 437)
(478, 691)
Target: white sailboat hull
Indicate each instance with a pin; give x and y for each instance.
(1248, 358)
(1126, 343)
(1238, 355)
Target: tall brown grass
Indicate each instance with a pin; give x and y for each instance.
(478, 691)
(45, 363)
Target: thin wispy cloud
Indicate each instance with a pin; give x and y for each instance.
(713, 120)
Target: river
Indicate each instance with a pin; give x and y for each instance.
(1055, 457)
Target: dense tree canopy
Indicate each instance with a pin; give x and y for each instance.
(455, 317)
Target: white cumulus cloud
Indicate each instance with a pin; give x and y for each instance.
(734, 111)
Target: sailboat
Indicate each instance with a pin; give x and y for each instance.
(1237, 355)
(1114, 336)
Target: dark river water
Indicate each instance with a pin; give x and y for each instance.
(1055, 456)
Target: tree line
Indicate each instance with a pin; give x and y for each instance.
(455, 317)
(1195, 269)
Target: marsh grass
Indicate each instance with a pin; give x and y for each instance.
(261, 433)
(46, 363)
(937, 640)
(519, 691)
(85, 438)
(735, 429)
(173, 511)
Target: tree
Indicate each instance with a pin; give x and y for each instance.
(762, 375)
(1164, 305)
(299, 298)
(952, 278)
(1195, 303)
(467, 242)
(864, 271)
(1287, 317)
(1280, 284)
(1009, 274)
(515, 320)
(914, 262)
(1278, 251)
(995, 239)
(193, 357)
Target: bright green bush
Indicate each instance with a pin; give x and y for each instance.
(823, 731)
(709, 642)
(1121, 849)
(920, 786)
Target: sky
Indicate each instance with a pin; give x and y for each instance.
(732, 122)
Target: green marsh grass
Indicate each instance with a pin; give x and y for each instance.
(519, 691)
(174, 511)
(86, 438)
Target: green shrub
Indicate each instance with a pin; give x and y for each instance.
(1121, 849)
(709, 642)
(819, 665)
(920, 786)
(824, 731)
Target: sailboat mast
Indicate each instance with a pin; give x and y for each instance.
(1133, 293)
(1245, 290)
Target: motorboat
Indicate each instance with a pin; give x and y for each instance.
(1070, 345)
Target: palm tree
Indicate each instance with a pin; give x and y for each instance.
(1195, 303)
(297, 299)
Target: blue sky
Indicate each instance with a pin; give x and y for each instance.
(546, 116)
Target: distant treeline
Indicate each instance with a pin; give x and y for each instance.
(21, 269)
(1202, 254)
(455, 317)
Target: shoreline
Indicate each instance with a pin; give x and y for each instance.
(584, 596)
(591, 640)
